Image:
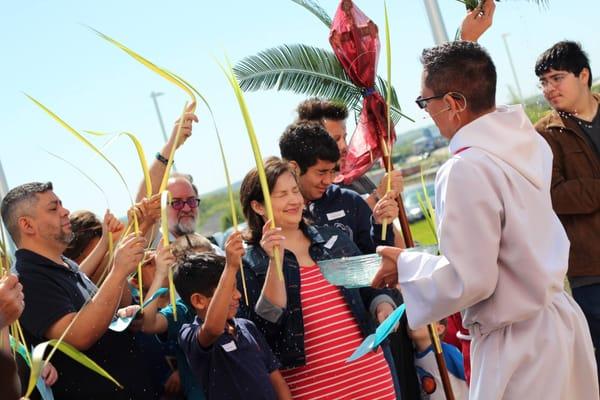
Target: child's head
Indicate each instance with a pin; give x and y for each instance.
(197, 276)
(420, 336)
(190, 243)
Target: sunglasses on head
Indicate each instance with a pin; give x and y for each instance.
(178, 204)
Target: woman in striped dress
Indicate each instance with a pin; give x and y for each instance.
(311, 325)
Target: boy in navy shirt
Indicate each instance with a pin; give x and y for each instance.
(228, 355)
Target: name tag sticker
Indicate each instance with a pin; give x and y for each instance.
(336, 215)
(331, 242)
(229, 347)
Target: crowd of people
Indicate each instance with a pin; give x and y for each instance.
(517, 212)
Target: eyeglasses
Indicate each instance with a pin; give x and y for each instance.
(422, 101)
(553, 80)
(178, 204)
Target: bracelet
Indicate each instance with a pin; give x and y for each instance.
(160, 158)
(375, 195)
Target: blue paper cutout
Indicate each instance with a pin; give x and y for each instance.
(383, 330)
(119, 324)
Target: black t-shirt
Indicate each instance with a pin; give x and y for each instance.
(51, 291)
(591, 130)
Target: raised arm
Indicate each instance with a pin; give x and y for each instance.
(157, 168)
(95, 263)
(93, 319)
(218, 309)
(478, 21)
(153, 321)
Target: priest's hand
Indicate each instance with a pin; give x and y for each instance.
(387, 276)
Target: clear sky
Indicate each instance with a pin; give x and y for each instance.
(47, 52)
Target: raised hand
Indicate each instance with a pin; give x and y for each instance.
(11, 300)
(234, 249)
(386, 208)
(272, 238)
(478, 21)
(128, 254)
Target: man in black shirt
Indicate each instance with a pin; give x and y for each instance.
(58, 294)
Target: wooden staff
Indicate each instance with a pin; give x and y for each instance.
(431, 328)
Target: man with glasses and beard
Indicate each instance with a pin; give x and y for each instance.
(58, 296)
(572, 129)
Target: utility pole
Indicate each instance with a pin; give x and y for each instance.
(154, 95)
(3, 192)
(512, 67)
(438, 29)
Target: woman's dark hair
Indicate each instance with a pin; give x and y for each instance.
(564, 56)
(251, 191)
(85, 226)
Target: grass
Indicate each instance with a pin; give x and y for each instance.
(421, 233)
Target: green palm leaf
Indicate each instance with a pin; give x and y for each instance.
(314, 7)
(307, 70)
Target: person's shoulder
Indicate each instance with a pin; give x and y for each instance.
(337, 241)
(549, 124)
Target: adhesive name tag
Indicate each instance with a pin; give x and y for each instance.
(228, 347)
(331, 242)
(336, 215)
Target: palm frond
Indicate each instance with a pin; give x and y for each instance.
(318, 11)
(307, 70)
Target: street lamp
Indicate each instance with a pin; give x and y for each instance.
(512, 67)
(3, 192)
(154, 95)
(438, 29)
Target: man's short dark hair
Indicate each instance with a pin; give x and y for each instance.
(198, 273)
(564, 56)
(17, 202)
(307, 142)
(316, 109)
(462, 67)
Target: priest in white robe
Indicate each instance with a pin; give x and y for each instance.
(504, 250)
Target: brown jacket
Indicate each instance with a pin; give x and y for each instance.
(575, 190)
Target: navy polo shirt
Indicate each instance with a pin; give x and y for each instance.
(235, 366)
(52, 291)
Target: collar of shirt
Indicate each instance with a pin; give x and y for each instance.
(28, 259)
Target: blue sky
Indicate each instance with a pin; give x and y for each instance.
(48, 53)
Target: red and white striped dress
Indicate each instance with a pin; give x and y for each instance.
(331, 336)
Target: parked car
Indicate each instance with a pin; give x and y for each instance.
(411, 202)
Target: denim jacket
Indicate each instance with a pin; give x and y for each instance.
(286, 335)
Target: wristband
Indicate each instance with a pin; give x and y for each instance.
(375, 195)
(160, 158)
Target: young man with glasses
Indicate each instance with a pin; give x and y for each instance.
(573, 131)
(504, 253)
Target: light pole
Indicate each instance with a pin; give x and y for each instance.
(154, 95)
(437, 23)
(3, 191)
(512, 67)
